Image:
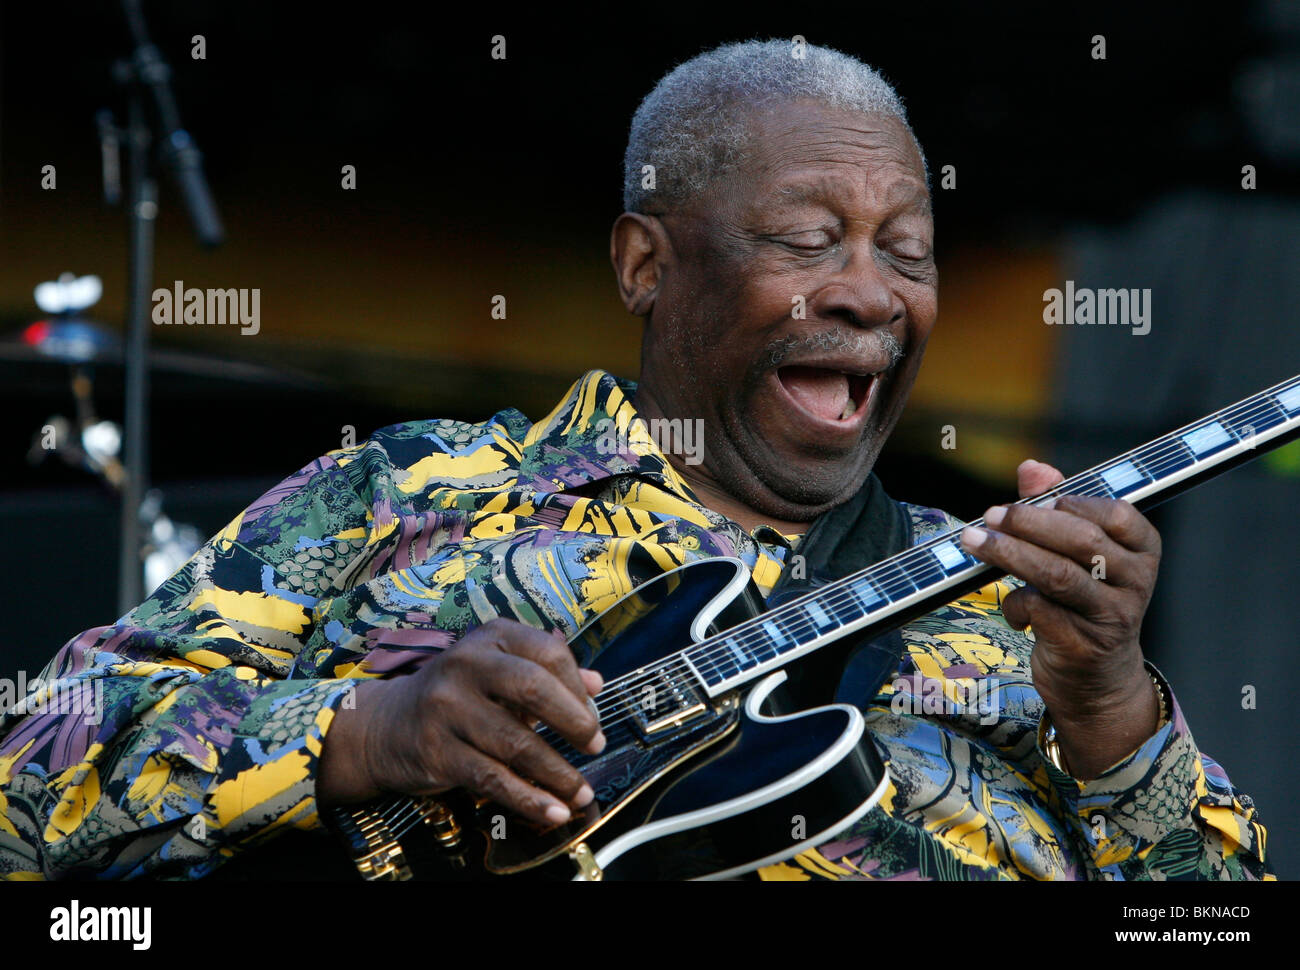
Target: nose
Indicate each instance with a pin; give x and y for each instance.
(859, 292)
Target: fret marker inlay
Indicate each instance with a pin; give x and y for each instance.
(948, 555)
(820, 616)
(1122, 477)
(865, 594)
(741, 658)
(1206, 438)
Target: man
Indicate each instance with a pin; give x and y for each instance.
(392, 618)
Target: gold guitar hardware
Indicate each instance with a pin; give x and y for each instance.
(445, 827)
(586, 863)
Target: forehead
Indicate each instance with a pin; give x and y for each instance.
(806, 152)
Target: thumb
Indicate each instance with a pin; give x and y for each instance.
(1036, 477)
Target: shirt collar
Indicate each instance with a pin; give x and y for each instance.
(592, 435)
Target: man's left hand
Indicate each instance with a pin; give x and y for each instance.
(1091, 567)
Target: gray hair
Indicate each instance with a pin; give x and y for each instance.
(693, 126)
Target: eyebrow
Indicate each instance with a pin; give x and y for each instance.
(823, 190)
(818, 191)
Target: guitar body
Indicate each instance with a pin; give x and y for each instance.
(689, 786)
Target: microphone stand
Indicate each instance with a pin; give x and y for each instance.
(145, 76)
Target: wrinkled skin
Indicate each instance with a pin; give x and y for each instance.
(830, 208)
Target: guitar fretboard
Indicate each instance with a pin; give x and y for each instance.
(1154, 472)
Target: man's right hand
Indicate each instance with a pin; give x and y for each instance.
(464, 719)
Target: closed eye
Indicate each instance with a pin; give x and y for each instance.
(913, 250)
(812, 239)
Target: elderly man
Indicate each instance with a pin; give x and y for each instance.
(392, 619)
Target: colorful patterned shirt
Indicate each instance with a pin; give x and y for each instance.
(199, 716)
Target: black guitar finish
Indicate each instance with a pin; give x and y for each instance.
(709, 794)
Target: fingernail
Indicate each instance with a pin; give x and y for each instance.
(557, 814)
(600, 680)
(584, 796)
(591, 706)
(973, 536)
(995, 515)
(1049, 504)
(598, 743)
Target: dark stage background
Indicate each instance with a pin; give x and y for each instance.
(477, 177)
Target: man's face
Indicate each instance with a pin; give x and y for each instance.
(793, 286)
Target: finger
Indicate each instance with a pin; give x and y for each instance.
(1078, 539)
(1015, 610)
(529, 687)
(495, 733)
(490, 778)
(1056, 576)
(1119, 519)
(1052, 623)
(526, 719)
(546, 649)
(1025, 607)
(592, 680)
(1036, 477)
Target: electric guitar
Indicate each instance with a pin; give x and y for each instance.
(720, 756)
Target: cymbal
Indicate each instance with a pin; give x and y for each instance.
(109, 357)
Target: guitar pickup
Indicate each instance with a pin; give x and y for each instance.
(674, 720)
(665, 704)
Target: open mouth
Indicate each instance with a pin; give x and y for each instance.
(831, 395)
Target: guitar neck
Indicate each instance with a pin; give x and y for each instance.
(917, 580)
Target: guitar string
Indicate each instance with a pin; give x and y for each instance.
(748, 634)
(698, 654)
(709, 663)
(714, 662)
(1170, 443)
(845, 596)
(410, 813)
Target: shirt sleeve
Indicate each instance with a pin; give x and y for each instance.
(163, 744)
(1166, 811)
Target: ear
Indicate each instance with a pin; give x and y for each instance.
(639, 249)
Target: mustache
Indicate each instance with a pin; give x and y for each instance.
(852, 341)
